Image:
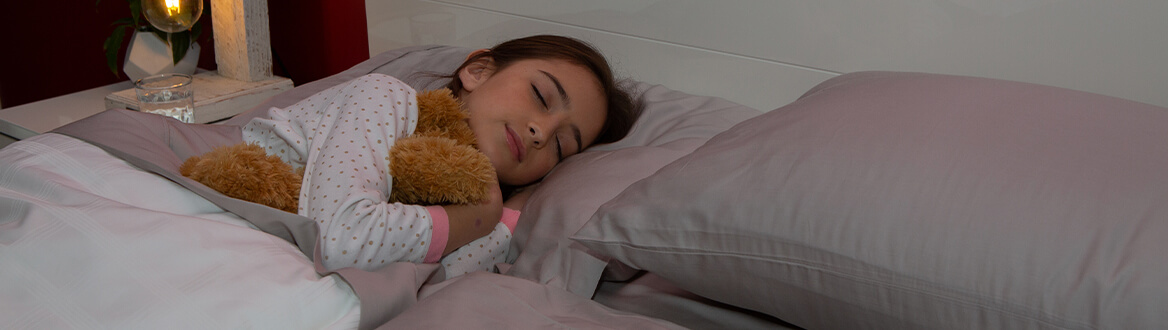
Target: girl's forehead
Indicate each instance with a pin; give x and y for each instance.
(570, 73)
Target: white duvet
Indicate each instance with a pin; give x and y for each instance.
(89, 241)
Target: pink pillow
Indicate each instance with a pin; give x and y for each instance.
(904, 200)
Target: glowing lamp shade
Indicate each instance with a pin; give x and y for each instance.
(172, 15)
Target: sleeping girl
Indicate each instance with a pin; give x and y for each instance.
(531, 102)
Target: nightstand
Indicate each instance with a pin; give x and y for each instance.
(216, 98)
(26, 120)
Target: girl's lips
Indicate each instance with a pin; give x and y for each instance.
(513, 142)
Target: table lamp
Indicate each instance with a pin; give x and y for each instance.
(172, 15)
(242, 53)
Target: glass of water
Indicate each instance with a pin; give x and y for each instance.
(168, 94)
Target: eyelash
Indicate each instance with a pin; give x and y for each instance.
(538, 95)
(559, 150)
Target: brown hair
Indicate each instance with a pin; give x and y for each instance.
(621, 110)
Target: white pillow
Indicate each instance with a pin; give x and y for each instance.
(903, 200)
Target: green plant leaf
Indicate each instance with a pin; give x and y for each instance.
(122, 23)
(112, 45)
(180, 42)
(136, 11)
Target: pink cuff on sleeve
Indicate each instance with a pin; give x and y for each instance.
(439, 235)
(510, 218)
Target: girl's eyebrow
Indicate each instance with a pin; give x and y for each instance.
(567, 105)
(559, 88)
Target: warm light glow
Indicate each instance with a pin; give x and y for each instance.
(172, 8)
(172, 15)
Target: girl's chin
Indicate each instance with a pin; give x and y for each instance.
(500, 170)
(509, 179)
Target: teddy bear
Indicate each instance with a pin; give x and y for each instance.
(439, 164)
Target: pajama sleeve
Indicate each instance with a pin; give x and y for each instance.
(341, 136)
(483, 253)
(347, 179)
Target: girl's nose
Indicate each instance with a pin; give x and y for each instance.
(540, 127)
(537, 136)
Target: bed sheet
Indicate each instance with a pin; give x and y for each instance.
(485, 300)
(88, 240)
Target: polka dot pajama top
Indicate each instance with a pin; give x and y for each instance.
(341, 136)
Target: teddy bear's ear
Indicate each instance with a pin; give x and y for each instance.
(440, 114)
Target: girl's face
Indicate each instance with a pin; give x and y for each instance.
(531, 114)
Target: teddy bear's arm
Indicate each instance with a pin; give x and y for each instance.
(438, 171)
(348, 183)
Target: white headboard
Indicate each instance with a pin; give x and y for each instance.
(765, 53)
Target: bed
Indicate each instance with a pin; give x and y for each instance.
(900, 198)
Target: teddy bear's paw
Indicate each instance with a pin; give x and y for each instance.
(438, 171)
(246, 172)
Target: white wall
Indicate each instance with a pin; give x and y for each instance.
(765, 53)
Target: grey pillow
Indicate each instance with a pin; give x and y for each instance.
(906, 200)
(672, 125)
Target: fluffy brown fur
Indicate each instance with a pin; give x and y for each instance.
(441, 115)
(431, 170)
(437, 165)
(246, 172)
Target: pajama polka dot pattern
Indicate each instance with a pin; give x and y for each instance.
(480, 255)
(341, 137)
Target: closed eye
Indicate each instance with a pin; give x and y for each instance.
(543, 101)
(559, 149)
(539, 96)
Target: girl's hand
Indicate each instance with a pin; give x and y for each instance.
(469, 222)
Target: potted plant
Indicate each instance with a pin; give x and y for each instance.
(148, 43)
